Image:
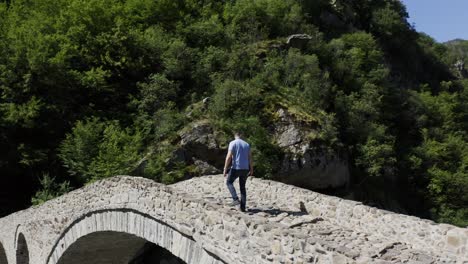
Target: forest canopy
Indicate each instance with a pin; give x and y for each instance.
(89, 89)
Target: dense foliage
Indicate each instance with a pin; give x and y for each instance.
(458, 50)
(90, 89)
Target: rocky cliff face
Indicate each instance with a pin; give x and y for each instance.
(460, 69)
(305, 162)
(458, 56)
(199, 147)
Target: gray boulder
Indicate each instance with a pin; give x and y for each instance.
(298, 40)
(199, 134)
(201, 148)
(305, 164)
(204, 168)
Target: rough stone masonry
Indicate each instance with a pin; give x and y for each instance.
(285, 224)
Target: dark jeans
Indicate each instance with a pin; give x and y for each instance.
(232, 176)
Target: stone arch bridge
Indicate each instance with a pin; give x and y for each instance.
(116, 220)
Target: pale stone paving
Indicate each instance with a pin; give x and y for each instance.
(191, 219)
(294, 235)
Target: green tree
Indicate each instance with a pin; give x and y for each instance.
(50, 189)
(441, 159)
(96, 149)
(235, 99)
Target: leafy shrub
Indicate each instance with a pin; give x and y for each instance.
(97, 149)
(156, 93)
(235, 99)
(78, 150)
(164, 166)
(119, 151)
(49, 190)
(167, 122)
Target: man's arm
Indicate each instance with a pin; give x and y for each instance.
(227, 162)
(251, 163)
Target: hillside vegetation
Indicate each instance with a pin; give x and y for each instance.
(91, 89)
(458, 57)
(458, 49)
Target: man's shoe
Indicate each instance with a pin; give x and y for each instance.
(243, 210)
(234, 203)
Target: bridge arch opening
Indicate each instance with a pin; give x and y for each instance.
(125, 236)
(116, 247)
(3, 257)
(22, 251)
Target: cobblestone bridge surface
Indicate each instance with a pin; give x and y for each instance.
(111, 220)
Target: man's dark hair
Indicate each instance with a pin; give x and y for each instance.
(237, 133)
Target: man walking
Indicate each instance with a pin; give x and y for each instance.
(240, 156)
